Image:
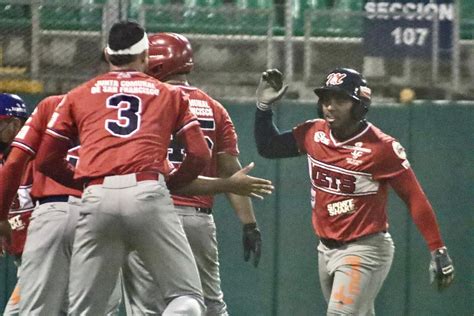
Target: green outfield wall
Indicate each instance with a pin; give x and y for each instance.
(440, 144)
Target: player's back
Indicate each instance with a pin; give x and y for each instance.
(29, 139)
(124, 121)
(219, 133)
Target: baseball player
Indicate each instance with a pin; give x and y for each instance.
(12, 116)
(43, 280)
(351, 164)
(170, 59)
(124, 120)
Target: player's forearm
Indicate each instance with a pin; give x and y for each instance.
(51, 161)
(204, 186)
(197, 157)
(243, 208)
(410, 191)
(10, 179)
(270, 142)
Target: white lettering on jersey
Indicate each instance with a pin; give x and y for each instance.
(341, 207)
(340, 181)
(16, 223)
(200, 108)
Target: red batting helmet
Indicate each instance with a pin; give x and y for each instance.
(169, 54)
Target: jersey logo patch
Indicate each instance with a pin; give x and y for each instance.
(357, 152)
(399, 150)
(320, 137)
(341, 207)
(340, 181)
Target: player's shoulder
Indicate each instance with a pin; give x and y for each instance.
(52, 100)
(386, 145)
(48, 104)
(313, 123)
(379, 136)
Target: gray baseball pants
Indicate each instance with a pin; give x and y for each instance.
(44, 271)
(123, 215)
(200, 230)
(351, 276)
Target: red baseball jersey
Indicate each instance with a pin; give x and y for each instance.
(125, 120)
(348, 179)
(29, 139)
(20, 213)
(220, 136)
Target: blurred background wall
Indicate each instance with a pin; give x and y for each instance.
(425, 50)
(438, 138)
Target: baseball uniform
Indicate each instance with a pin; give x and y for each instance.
(19, 218)
(44, 276)
(349, 196)
(124, 121)
(194, 212)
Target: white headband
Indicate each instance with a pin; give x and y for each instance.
(135, 49)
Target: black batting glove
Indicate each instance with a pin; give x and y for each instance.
(441, 269)
(252, 241)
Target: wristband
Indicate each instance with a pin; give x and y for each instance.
(263, 106)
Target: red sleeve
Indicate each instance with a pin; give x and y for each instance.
(10, 179)
(185, 118)
(225, 132)
(51, 161)
(197, 157)
(391, 161)
(29, 137)
(409, 190)
(299, 132)
(61, 125)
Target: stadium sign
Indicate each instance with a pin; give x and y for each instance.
(405, 28)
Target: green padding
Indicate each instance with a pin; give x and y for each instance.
(15, 16)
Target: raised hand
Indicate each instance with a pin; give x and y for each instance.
(270, 89)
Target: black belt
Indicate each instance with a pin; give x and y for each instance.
(53, 198)
(205, 210)
(333, 243)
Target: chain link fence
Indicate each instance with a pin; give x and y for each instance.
(51, 46)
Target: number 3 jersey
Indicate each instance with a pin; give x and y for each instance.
(220, 136)
(349, 179)
(125, 119)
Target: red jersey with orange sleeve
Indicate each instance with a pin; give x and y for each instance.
(29, 139)
(220, 136)
(125, 120)
(349, 179)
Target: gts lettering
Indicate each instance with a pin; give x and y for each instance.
(343, 183)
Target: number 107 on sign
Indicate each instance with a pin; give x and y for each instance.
(410, 36)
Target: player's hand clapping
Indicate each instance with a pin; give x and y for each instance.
(243, 184)
(270, 89)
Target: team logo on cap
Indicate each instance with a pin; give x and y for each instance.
(335, 79)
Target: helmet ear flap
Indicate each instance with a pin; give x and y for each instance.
(320, 109)
(359, 110)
